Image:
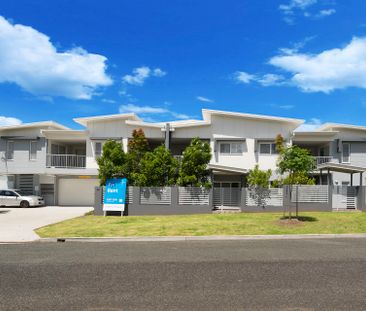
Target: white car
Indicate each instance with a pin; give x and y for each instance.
(17, 198)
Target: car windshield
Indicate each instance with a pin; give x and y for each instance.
(21, 192)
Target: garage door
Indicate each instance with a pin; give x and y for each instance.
(77, 192)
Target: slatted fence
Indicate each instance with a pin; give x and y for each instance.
(193, 196)
(275, 197)
(156, 195)
(310, 194)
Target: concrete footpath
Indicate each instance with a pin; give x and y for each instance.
(18, 224)
(205, 238)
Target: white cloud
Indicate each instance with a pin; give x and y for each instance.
(297, 46)
(157, 72)
(142, 109)
(29, 59)
(310, 125)
(329, 70)
(7, 121)
(147, 111)
(290, 8)
(296, 4)
(293, 7)
(271, 79)
(108, 101)
(204, 99)
(285, 107)
(140, 74)
(323, 13)
(243, 77)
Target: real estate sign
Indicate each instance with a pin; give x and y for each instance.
(115, 194)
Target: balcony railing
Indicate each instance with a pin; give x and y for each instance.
(66, 160)
(324, 159)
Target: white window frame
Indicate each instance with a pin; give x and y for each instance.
(272, 149)
(30, 150)
(95, 149)
(349, 153)
(7, 150)
(230, 143)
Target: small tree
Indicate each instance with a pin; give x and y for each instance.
(258, 182)
(157, 168)
(296, 163)
(137, 147)
(112, 161)
(193, 168)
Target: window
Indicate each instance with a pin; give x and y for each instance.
(346, 153)
(33, 150)
(224, 148)
(10, 150)
(231, 148)
(267, 148)
(8, 193)
(98, 149)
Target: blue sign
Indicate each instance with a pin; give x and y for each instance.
(115, 194)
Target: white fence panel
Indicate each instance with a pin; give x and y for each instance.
(310, 194)
(193, 196)
(275, 197)
(156, 195)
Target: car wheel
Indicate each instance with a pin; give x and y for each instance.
(24, 204)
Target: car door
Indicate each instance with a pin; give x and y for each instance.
(11, 198)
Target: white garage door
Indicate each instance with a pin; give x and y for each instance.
(77, 192)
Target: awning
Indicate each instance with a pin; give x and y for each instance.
(228, 169)
(343, 168)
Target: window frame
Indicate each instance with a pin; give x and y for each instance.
(272, 149)
(35, 150)
(349, 152)
(7, 150)
(231, 143)
(95, 149)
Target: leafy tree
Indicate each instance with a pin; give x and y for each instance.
(258, 182)
(299, 179)
(296, 163)
(112, 161)
(193, 168)
(157, 168)
(137, 147)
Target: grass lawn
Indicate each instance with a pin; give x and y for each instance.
(213, 224)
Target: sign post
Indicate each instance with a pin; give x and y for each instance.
(115, 195)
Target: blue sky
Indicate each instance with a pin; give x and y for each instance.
(168, 59)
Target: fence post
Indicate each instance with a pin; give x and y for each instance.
(330, 196)
(210, 197)
(243, 199)
(174, 199)
(98, 204)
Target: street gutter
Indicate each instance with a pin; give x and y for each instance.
(204, 238)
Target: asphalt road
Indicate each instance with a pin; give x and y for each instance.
(197, 275)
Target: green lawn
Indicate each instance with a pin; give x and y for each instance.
(213, 224)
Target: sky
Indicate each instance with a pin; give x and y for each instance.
(167, 59)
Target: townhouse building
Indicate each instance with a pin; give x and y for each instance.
(59, 163)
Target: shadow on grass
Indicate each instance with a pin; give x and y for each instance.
(300, 218)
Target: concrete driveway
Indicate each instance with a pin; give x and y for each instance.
(18, 224)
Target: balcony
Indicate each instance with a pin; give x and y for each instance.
(324, 159)
(66, 161)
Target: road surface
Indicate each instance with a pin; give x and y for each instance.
(318, 274)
